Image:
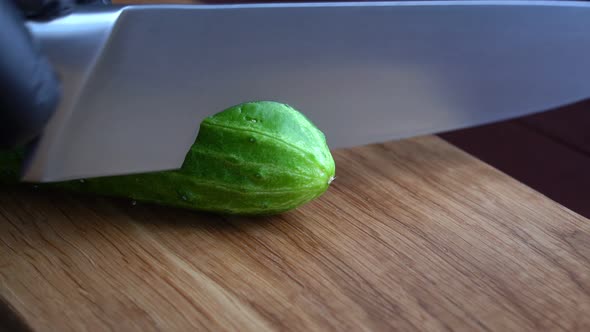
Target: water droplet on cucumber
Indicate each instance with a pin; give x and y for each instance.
(250, 119)
(186, 195)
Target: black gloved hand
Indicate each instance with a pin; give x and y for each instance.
(29, 87)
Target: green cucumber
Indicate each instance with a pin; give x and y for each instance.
(255, 158)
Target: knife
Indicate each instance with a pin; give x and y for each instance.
(139, 79)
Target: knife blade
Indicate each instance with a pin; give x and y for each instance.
(139, 79)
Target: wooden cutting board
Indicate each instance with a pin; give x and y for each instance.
(412, 235)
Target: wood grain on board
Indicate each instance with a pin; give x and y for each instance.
(412, 235)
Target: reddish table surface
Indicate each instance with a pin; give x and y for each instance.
(549, 152)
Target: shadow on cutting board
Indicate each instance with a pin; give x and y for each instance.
(10, 320)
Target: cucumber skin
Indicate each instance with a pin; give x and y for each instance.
(257, 158)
